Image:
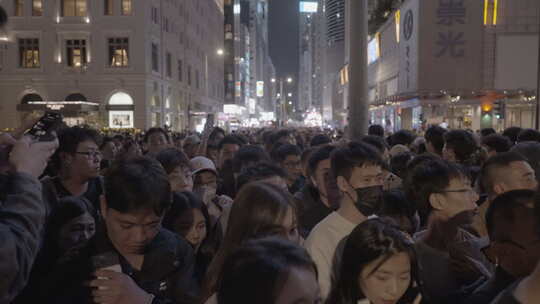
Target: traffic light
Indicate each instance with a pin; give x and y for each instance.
(499, 108)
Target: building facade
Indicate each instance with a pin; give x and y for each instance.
(462, 64)
(113, 63)
(248, 66)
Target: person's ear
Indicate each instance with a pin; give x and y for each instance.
(103, 206)
(437, 201)
(66, 158)
(342, 184)
(499, 188)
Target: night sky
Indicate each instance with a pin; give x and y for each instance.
(284, 19)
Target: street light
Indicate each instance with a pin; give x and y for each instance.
(281, 104)
(220, 52)
(290, 102)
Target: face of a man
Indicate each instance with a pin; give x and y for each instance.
(362, 177)
(458, 198)
(157, 142)
(227, 152)
(85, 162)
(518, 175)
(515, 246)
(293, 166)
(131, 232)
(321, 175)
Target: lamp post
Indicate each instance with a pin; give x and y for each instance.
(281, 106)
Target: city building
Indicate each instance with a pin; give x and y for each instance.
(249, 70)
(462, 64)
(307, 43)
(113, 63)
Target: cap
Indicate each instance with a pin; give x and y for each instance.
(201, 163)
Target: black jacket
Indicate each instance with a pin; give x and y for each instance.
(311, 210)
(167, 272)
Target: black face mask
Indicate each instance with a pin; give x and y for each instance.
(369, 199)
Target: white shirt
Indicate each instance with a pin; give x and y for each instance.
(322, 243)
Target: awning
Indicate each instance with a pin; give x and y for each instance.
(65, 107)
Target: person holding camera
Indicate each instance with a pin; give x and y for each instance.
(22, 211)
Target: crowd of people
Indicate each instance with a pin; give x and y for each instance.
(271, 216)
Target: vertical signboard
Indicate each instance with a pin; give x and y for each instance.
(408, 46)
(260, 88)
(451, 44)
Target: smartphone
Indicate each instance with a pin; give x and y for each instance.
(43, 128)
(107, 261)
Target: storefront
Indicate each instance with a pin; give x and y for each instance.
(75, 108)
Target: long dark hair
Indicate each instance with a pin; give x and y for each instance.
(184, 202)
(254, 214)
(369, 241)
(260, 266)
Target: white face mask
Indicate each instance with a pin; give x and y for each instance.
(206, 193)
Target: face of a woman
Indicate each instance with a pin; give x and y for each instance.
(76, 232)
(192, 226)
(388, 283)
(301, 286)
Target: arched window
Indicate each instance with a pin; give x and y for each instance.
(76, 97)
(31, 97)
(120, 107)
(120, 98)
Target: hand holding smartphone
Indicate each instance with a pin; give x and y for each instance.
(106, 261)
(43, 129)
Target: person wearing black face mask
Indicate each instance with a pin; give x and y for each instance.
(358, 168)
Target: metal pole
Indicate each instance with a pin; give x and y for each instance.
(538, 79)
(281, 113)
(356, 22)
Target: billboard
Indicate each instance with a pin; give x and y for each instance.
(308, 7)
(260, 88)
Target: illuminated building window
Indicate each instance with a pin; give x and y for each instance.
(76, 52)
(109, 7)
(74, 8)
(29, 53)
(118, 52)
(127, 8)
(37, 8)
(19, 8)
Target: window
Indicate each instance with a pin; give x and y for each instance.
(155, 58)
(37, 8)
(19, 8)
(74, 8)
(109, 7)
(169, 65)
(118, 52)
(29, 53)
(189, 75)
(155, 15)
(76, 52)
(127, 9)
(180, 71)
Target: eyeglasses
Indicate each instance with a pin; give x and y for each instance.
(90, 154)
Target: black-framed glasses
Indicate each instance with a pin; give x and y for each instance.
(90, 154)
